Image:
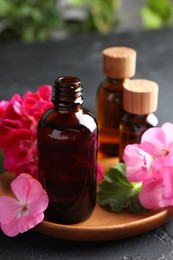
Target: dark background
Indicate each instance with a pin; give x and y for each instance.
(27, 66)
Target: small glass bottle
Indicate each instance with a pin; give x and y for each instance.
(119, 64)
(67, 149)
(140, 99)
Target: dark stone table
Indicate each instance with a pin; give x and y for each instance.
(27, 66)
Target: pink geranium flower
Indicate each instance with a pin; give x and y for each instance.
(18, 129)
(151, 163)
(158, 191)
(25, 211)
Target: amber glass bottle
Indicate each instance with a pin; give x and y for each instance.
(119, 64)
(67, 148)
(140, 98)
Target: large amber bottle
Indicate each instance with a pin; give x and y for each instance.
(67, 148)
(119, 64)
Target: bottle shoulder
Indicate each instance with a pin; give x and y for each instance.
(135, 119)
(81, 119)
(87, 119)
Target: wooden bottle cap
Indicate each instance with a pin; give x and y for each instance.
(119, 62)
(140, 96)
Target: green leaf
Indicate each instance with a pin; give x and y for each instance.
(157, 14)
(115, 191)
(151, 20)
(5, 7)
(101, 14)
(161, 7)
(29, 20)
(77, 2)
(134, 204)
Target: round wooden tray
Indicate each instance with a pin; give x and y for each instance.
(102, 225)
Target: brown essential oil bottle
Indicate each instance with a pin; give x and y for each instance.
(140, 98)
(67, 148)
(119, 64)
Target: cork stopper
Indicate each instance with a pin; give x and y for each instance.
(140, 96)
(119, 62)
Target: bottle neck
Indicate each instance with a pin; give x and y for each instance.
(67, 94)
(117, 81)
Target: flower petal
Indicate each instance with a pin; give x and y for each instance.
(35, 192)
(39, 205)
(168, 130)
(22, 182)
(137, 163)
(31, 191)
(45, 91)
(11, 229)
(28, 222)
(151, 194)
(168, 183)
(100, 172)
(9, 208)
(3, 106)
(153, 141)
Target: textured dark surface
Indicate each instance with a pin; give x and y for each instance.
(26, 66)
